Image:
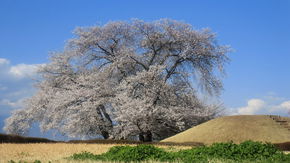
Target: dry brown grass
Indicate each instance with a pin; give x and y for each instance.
(236, 129)
(55, 152)
(46, 152)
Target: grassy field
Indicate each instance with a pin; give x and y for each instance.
(235, 128)
(55, 152)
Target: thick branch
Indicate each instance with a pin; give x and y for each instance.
(140, 63)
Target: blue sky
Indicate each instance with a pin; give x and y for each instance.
(258, 76)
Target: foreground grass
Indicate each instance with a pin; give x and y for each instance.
(112, 153)
(247, 151)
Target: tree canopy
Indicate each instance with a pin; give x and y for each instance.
(127, 79)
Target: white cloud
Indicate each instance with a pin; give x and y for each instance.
(254, 105)
(4, 61)
(13, 104)
(15, 84)
(8, 105)
(263, 106)
(17, 72)
(285, 105)
(24, 70)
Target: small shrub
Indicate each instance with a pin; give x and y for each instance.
(85, 156)
(137, 153)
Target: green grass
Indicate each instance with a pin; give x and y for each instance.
(247, 151)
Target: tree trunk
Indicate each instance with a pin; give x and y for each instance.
(106, 120)
(145, 136)
(105, 134)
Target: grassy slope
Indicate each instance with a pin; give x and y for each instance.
(236, 129)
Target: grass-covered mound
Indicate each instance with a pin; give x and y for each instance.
(244, 152)
(238, 128)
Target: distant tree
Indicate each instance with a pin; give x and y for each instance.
(127, 79)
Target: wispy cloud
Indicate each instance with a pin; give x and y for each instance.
(19, 71)
(4, 61)
(15, 84)
(23, 70)
(13, 104)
